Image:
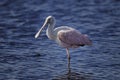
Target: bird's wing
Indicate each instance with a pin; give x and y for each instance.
(73, 37)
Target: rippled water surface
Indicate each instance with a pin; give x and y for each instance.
(24, 58)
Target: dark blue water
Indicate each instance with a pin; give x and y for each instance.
(24, 58)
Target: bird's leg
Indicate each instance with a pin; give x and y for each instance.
(68, 55)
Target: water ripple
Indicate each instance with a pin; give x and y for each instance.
(24, 58)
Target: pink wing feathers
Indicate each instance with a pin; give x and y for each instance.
(73, 38)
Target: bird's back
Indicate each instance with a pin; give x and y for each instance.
(69, 37)
(62, 28)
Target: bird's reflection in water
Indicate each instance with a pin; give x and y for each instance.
(72, 75)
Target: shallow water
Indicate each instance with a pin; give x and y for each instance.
(24, 58)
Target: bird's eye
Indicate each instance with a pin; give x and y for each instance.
(50, 20)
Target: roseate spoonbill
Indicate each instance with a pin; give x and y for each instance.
(65, 36)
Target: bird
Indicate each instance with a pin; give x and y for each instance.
(65, 36)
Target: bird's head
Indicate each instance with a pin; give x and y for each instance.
(48, 21)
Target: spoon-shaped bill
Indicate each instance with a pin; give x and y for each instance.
(38, 33)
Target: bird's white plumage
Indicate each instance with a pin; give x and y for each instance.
(65, 36)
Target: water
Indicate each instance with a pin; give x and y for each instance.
(24, 58)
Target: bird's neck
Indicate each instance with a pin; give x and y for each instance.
(50, 31)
